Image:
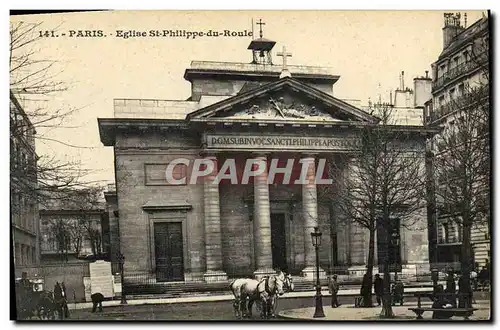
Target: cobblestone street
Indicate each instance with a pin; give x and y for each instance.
(222, 310)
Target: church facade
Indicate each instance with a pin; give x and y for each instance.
(279, 119)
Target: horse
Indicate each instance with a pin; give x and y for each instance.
(288, 286)
(263, 291)
(235, 287)
(60, 300)
(45, 305)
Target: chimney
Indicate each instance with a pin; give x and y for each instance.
(422, 87)
(451, 28)
(402, 80)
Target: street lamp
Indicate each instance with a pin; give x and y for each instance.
(316, 242)
(121, 260)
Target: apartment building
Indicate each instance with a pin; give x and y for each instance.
(23, 181)
(460, 74)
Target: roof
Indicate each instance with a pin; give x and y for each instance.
(20, 109)
(332, 105)
(465, 37)
(258, 71)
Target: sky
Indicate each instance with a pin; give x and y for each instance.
(368, 49)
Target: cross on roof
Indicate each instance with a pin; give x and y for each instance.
(284, 54)
(260, 23)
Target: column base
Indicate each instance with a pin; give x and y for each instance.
(263, 272)
(361, 270)
(309, 273)
(212, 276)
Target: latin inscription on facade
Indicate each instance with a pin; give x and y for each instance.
(281, 142)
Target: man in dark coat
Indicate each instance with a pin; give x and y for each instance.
(451, 289)
(378, 287)
(439, 302)
(465, 293)
(97, 299)
(333, 287)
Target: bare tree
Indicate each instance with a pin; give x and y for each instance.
(61, 236)
(378, 185)
(33, 80)
(462, 156)
(77, 232)
(82, 224)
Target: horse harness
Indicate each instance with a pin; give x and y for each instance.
(267, 289)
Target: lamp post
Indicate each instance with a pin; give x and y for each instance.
(316, 242)
(121, 260)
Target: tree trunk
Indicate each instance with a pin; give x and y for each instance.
(386, 299)
(369, 265)
(466, 263)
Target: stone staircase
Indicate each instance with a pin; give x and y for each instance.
(179, 289)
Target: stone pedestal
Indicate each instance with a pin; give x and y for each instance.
(212, 276)
(262, 220)
(263, 272)
(360, 270)
(213, 241)
(309, 273)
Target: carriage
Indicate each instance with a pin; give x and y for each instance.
(32, 300)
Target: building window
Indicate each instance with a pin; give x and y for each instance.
(442, 70)
(456, 61)
(452, 93)
(461, 89)
(458, 232)
(441, 100)
(445, 234)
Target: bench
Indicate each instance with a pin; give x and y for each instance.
(452, 297)
(463, 312)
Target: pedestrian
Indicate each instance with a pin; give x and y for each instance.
(333, 287)
(465, 293)
(97, 299)
(451, 289)
(440, 302)
(378, 287)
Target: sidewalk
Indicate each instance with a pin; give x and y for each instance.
(221, 297)
(348, 312)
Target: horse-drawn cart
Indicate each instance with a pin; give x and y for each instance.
(32, 300)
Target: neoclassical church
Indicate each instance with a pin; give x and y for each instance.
(213, 231)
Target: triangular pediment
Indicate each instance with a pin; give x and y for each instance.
(284, 100)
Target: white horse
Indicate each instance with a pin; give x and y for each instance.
(244, 299)
(235, 287)
(263, 291)
(287, 286)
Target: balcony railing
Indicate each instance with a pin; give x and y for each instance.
(475, 97)
(459, 70)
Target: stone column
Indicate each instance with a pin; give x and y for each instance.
(262, 221)
(213, 241)
(310, 216)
